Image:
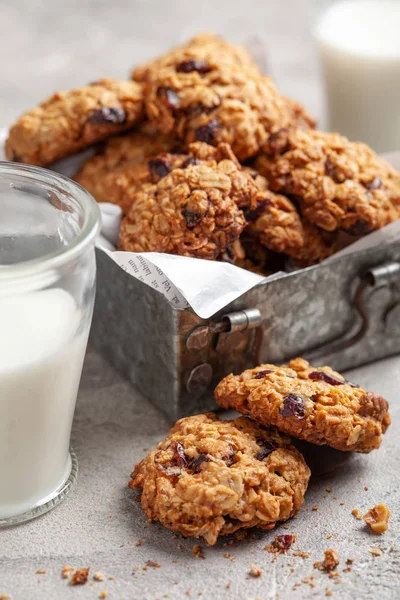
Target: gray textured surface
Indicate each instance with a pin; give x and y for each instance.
(113, 425)
(53, 45)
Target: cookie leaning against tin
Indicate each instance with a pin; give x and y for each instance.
(211, 477)
(70, 121)
(314, 404)
(339, 184)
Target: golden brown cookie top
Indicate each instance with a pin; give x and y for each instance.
(210, 91)
(211, 477)
(339, 184)
(70, 121)
(198, 54)
(314, 404)
(193, 210)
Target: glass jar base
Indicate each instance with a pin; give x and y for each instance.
(49, 502)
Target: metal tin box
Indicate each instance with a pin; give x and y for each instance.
(344, 313)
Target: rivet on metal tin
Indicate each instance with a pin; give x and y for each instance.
(199, 378)
(199, 338)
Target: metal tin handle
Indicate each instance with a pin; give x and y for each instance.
(373, 278)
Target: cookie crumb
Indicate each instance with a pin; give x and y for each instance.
(41, 571)
(329, 536)
(66, 572)
(99, 576)
(139, 543)
(349, 561)
(365, 488)
(254, 571)
(356, 513)
(328, 593)
(301, 554)
(103, 594)
(153, 564)
(329, 490)
(80, 577)
(111, 577)
(331, 560)
(377, 518)
(375, 551)
(231, 558)
(315, 507)
(197, 551)
(5, 597)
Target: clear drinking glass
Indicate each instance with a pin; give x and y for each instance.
(48, 226)
(359, 49)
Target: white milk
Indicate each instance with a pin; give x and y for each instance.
(40, 367)
(359, 42)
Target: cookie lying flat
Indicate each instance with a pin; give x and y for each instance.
(193, 210)
(70, 121)
(314, 404)
(210, 478)
(122, 167)
(339, 184)
(209, 91)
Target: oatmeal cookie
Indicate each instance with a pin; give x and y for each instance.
(314, 404)
(124, 165)
(70, 121)
(192, 211)
(339, 184)
(209, 91)
(211, 477)
(276, 224)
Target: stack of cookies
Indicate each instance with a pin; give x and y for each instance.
(210, 161)
(211, 477)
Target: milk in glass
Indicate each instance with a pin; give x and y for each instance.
(359, 43)
(42, 349)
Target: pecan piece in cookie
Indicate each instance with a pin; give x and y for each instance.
(314, 404)
(70, 121)
(210, 91)
(192, 211)
(211, 477)
(124, 165)
(339, 184)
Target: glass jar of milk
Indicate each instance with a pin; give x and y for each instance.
(359, 44)
(48, 226)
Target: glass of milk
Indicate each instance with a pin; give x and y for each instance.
(359, 46)
(48, 226)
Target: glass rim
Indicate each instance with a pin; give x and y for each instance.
(87, 233)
